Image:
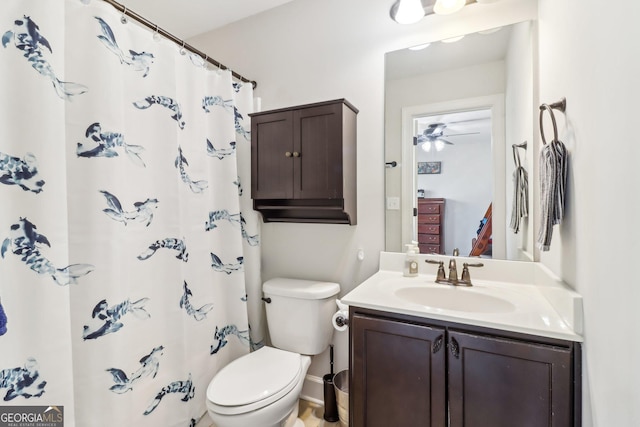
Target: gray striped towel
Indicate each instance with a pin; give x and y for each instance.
(520, 205)
(553, 178)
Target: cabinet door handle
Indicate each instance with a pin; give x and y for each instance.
(454, 348)
(437, 344)
(296, 154)
(287, 154)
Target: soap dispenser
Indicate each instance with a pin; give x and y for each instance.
(411, 262)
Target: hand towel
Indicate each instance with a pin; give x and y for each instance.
(553, 177)
(520, 205)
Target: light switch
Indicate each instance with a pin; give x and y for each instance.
(393, 203)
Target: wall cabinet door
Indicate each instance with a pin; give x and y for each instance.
(398, 374)
(272, 156)
(317, 138)
(501, 383)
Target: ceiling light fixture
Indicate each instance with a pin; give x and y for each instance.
(445, 7)
(452, 39)
(420, 46)
(407, 11)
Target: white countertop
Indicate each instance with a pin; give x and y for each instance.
(536, 302)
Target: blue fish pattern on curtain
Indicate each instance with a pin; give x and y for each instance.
(21, 172)
(138, 61)
(107, 318)
(27, 38)
(182, 387)
(221, 334)
(122, 182)
(104, 144)
(221, 153)
(227, 105)
(22, 381)
(25, 242)
(195, 186)
(230, 267)
(143, 211)
(163, 101)
(233, 219)
(185, 302)
(170, 243)
(150, 366)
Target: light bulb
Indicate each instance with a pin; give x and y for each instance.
(408, 11)
(420, 46)
(445, 7)
(452, 39)
(439, 145)
(427, 146)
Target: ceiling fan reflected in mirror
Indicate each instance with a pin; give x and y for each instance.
(434, 137)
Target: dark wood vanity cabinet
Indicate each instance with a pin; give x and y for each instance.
(408, 371)
(303, 163)
(398, 373)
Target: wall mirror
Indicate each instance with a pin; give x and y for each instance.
(453, 112)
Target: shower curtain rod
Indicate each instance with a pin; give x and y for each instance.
(128, 12)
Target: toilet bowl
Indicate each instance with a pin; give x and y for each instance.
(261, 389)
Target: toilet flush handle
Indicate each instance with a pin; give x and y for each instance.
(267, 300)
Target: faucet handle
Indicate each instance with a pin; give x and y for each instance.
(465, 278)
(456, 252)
(440, 276)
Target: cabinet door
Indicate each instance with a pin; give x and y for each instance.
(318, 141)
(398, 374)
(504, 383)
(272, 156)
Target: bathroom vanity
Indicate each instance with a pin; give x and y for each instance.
(503, 352)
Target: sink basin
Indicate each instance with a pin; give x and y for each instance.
(456, 299)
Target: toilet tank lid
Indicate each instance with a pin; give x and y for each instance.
(298, 288)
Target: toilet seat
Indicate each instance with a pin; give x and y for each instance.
(254, 381)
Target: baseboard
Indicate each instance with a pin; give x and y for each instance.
(313, 389)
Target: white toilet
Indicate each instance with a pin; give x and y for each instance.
(262, 388)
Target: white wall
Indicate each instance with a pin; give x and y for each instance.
(589, 54)
(307, 51)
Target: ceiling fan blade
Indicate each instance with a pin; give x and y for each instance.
(434, 129)
(461, 134)
(445, 141)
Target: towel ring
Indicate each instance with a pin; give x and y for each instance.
(560, 105)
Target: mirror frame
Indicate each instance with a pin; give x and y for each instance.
(496, 103)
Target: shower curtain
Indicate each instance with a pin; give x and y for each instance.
(129, 251)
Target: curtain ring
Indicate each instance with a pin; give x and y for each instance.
(123, 18)
(182, 49)
(156, 34)
(546, 107)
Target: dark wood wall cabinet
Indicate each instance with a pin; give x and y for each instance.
(431, 225)
(303, 163)
(408, 371)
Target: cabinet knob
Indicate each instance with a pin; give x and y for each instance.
(287, 154)
(296, 154)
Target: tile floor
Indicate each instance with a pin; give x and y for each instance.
(311, 413)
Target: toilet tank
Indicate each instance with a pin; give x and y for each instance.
(299, 314)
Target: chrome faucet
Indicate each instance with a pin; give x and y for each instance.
(465, 277)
